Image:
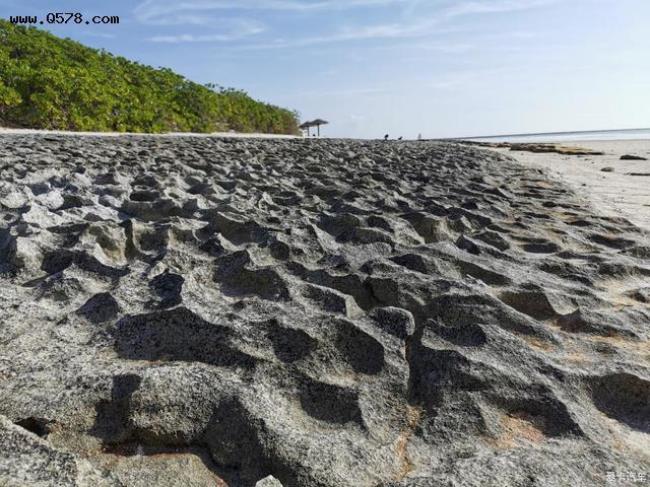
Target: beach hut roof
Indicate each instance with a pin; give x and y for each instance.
(319, 121)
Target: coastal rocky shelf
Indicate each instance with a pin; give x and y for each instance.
(540, 147)
(206, 311)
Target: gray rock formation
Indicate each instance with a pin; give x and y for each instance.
(204, 311)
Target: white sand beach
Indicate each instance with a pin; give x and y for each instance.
(623, 191)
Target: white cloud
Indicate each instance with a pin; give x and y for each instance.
(421, 27)
(168, 12)
(416, 25)
(475, 7)
(171, 12)
(230, 30)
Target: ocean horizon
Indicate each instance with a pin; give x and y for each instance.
(618, 134)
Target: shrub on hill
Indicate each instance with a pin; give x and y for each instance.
(52, 83)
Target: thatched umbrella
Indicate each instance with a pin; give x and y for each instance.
(318, 122)
(306, 126)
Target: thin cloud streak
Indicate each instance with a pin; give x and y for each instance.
(397, 30)
(235, 30)
(157, 12)
(497, 6)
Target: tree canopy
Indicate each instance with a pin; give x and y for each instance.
(52, 83)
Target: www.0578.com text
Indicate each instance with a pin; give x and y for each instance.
(64, 18)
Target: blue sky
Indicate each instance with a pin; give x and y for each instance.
(441, 68)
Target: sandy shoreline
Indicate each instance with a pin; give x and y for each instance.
(615, 192)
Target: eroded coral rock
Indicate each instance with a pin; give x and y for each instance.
(203, 311)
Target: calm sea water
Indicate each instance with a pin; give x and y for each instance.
(633, 134)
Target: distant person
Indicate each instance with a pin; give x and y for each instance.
(386, 137)
(419, 136)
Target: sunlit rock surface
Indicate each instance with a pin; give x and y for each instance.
(204, 311)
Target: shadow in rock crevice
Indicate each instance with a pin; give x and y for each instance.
(112, 415)
(178, 334)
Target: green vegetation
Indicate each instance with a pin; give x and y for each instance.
(52, 83)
